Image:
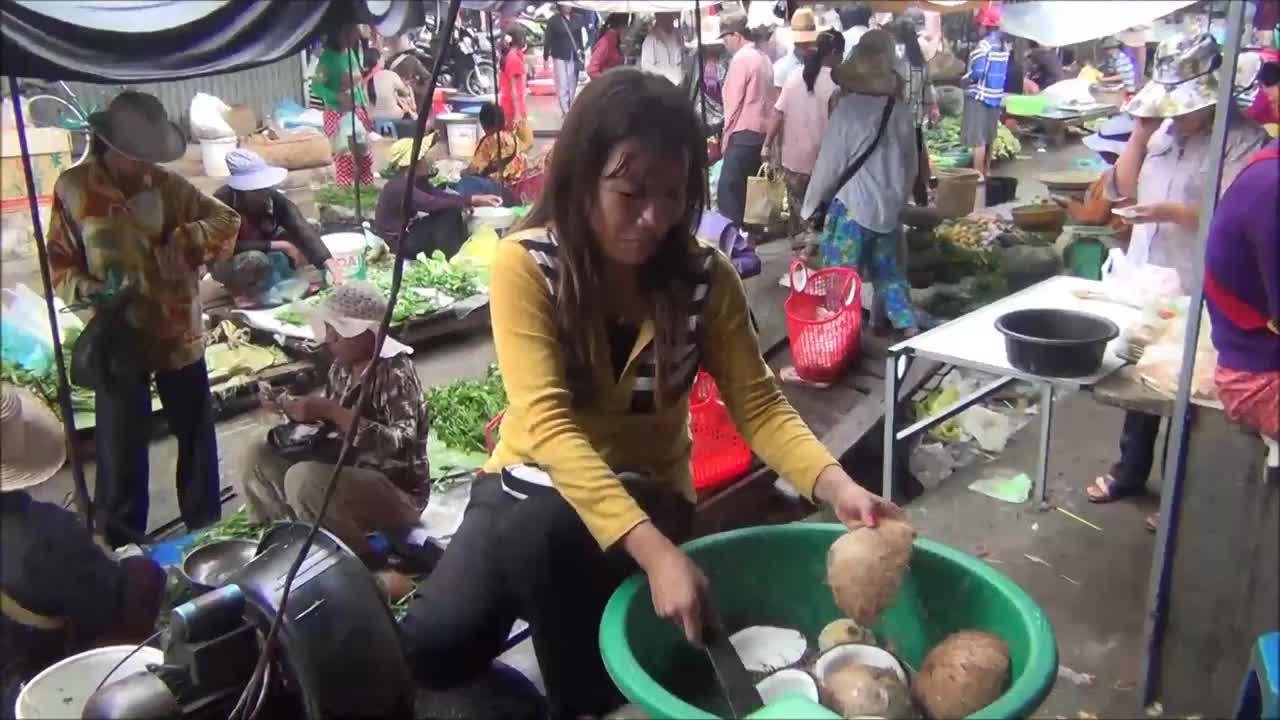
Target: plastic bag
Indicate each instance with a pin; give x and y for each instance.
(1138, 283)
(208, 118)
(347, 126)
(478, 251)
(1161, 363)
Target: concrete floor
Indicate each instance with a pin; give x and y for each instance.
(1091, 584)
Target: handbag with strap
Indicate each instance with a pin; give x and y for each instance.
(819, 218)
(108, 348)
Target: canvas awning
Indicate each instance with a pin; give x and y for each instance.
(134, 41)
(938, 6)
(638, 6)
(1055, 23)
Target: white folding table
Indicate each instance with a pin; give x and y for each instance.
(972, 341)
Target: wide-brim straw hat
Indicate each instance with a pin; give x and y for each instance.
(1185, 78)
(33, 439)
(353, 308)
(136, 124)
(869, 69)
(804, 27)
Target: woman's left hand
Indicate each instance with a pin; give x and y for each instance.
(1162, 212)
(854, 505)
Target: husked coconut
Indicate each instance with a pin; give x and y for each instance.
(855, 690)
(865, 567)
(844, 632)
(786, 682)
(964, 673)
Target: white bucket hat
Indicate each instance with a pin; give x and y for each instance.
(33, 440)
(353, 307)
(250, 172)
(1112, 136)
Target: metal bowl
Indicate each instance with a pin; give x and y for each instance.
(209, 566)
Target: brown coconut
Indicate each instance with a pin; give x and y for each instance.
(964, 673)
(865, 567)
(855, 690)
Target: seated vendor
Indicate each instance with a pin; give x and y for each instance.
(385, 487)
(438, 221)
(604, 307)
(500, 157)
(274, 240)
(1096, 207)
(60, 592)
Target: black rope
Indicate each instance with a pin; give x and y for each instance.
(64, 388)
(702, 91)
(365, 396)
(493, 52)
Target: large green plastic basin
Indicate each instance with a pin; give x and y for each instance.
(775, 575)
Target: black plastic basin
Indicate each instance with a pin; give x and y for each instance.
(1055, 343)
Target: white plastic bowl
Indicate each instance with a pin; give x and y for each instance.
(63, 689)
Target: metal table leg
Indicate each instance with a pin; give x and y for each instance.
(1046, 431)
(890, 412)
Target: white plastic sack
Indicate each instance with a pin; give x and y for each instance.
(341, 141)
(1161, 363)
(208, 118)
(1067, 93)
(1138, 282)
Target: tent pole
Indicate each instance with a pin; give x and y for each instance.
(702, 86)
(1160, 583)
(83, 503)
(493, 52)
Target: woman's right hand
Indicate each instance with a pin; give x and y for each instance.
(486, 201)
(1146, 127)
(676, 584)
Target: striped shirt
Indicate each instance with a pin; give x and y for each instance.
(1119, 63)
(988, 68)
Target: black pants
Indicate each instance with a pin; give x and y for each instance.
(1137, 451)
(122, 438)
(532, 559)
(920, 191)
(741, 161)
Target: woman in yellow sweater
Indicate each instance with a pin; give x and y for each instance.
(604, 308)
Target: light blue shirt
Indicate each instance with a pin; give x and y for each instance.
(851, 38)
(783, 68)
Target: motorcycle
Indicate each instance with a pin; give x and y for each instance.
(468, 66)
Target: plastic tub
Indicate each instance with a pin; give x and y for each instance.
(462, 132)
(776, 575)
(348, 249)
(213, 154)
(1001, 190)
(62, 690)
(498, 218)
(1025, 105)
(1053, 342)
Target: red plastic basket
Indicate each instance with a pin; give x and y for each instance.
(824, 320)
(720, 454)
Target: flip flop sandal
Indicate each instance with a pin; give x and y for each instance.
(1153, 522)
(789, 375)
(1109, 490)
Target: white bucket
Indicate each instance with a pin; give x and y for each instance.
(213, 153)
(463, 133)
(347, 248)
(63, 689)
(500, 219)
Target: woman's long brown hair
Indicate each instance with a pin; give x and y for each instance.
(622, 104)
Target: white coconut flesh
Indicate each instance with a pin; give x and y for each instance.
(764, 649)
(787, 682)
(861, 654)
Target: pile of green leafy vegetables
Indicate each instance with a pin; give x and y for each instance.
(461, 409)
(456, 281)
(346, 196)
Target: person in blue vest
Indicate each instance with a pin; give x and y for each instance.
(988, 68)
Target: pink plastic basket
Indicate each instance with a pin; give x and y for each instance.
(824, 320)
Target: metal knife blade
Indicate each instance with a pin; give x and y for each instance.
(735, 681)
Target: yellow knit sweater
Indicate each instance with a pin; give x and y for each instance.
(580, 448)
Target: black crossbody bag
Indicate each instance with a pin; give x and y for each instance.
(819, 218)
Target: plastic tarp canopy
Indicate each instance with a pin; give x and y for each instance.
(639, 6)
(938, 6)
(135, 41)
(1054, 23)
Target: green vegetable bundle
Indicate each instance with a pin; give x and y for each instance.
(460, 410)
(1006, 146)
(346, 196)
(45, 384)
(944, 137)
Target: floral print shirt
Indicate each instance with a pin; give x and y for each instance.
(115, 240)
(392, 437)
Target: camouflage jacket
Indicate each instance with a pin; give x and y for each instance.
(392, 436)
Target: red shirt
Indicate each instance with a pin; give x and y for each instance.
(511, 87)
(606, 54)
